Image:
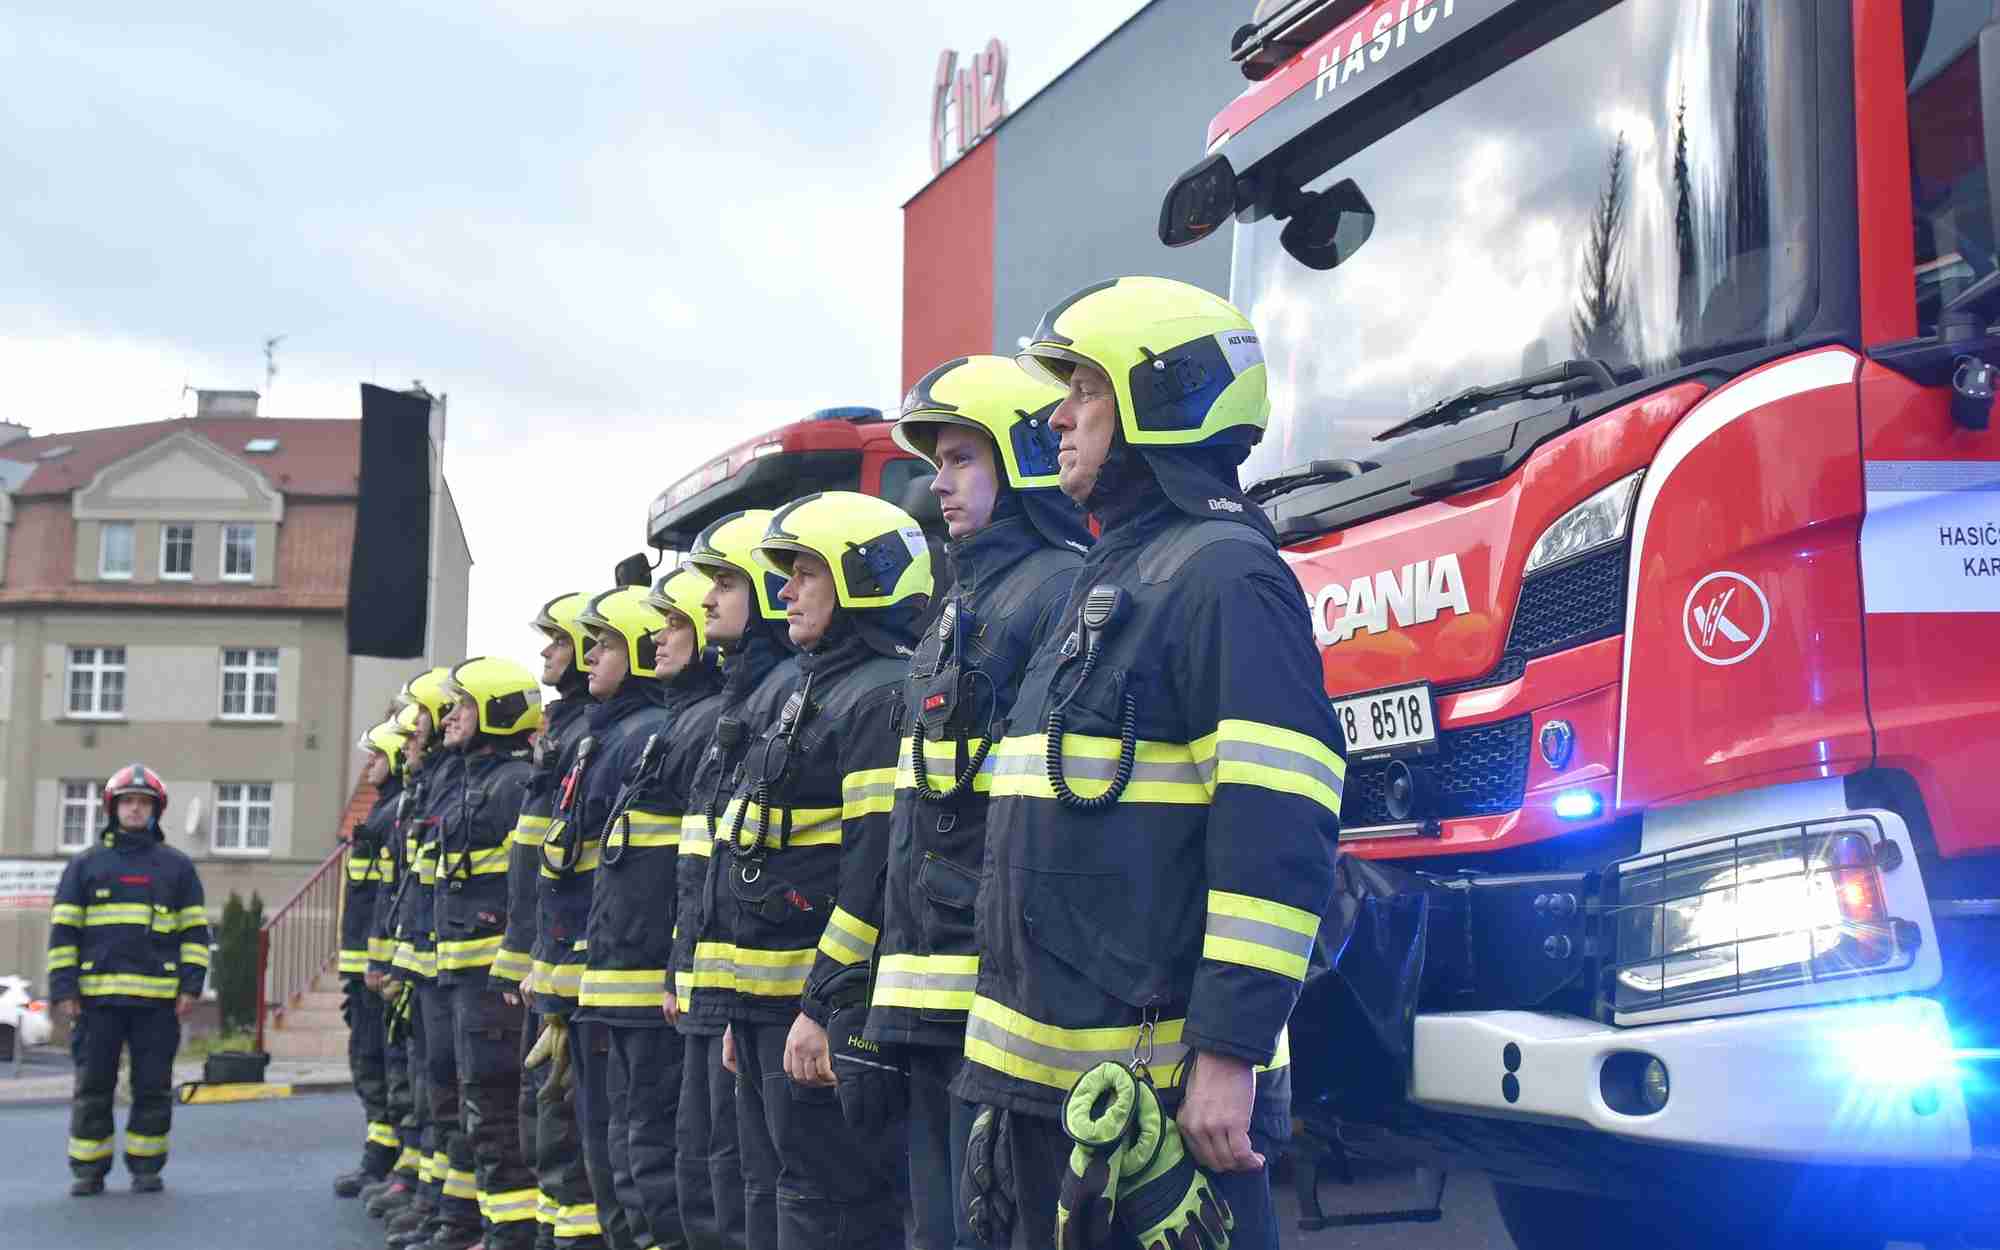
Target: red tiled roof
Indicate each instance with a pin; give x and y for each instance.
(313, 458)
(358, 804)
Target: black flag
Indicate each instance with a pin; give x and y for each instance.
(388, 580)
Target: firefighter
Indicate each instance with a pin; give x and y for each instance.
(1163, 824)
(454, 1199)
(801, 847)
(408, 1108)
(368, 865)
(496, 707)
(565, 1210)
(578, 1054)
(745, 620)
(1016, 543)
(128, 950)
(634, 795)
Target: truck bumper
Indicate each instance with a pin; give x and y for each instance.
(1862, 1082)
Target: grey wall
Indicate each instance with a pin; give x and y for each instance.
(1082, 167)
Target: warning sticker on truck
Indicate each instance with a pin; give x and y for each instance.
(1931, 540)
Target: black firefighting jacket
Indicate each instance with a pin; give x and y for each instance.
(370, 868)
(423, 820)
(475, 820)
(802, 844)
(640, 787)
(758, 675)
(1181, 915)
(129, 927)
(401, 848)
(570, 852)
(1010, 590)
(562, 724)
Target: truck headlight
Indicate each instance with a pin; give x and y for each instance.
(1737, 914)
(1597, 522)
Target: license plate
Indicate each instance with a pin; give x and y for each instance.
(1383, 724)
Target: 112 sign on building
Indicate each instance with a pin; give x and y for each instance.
(966, 103)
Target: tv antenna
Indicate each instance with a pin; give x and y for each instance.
(271, 359)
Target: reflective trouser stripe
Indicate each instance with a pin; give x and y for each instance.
(545, 1208)
(604, 987)
(380, 1134)
(509, 1207)
(933, 982)
(409, 1161)
(459, 1184)
(141, 1146)
(577, 1221)
(1000, 1038)
(84, 1150)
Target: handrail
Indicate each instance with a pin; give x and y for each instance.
(300, 939)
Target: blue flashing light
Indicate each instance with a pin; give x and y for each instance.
(1578, 804)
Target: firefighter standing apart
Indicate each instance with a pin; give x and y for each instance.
(1016, 544)
(369, 866)
(1163, 827)
(128, 950)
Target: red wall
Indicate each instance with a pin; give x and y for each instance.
(948, 265)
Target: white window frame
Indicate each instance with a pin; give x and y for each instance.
(236, 802)
(166, 540)
(85, 798)
(98, 666)
(104, 531)
(256, 662)
(234, 527)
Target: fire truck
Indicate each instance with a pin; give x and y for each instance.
(1632, 372)
(845, 448)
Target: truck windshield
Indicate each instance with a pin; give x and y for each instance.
(1640, 190)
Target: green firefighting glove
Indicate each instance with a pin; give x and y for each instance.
(396, 1021)
(986, 1190)
(1165, 1201)
(552, 1047)
(1098, 1117)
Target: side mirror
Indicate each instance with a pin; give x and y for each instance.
(633, 570)
(1199, 202)
(1329, 226)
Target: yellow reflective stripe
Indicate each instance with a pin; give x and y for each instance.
(683, 990)
(1258, 933)
(605, 987)
(406, 958)
(529, 831)
(144, 1147)
(408, 1161)
(545, 1207)
(350, 961)
(192, 916)
(489, 861)
(459, 1184)
(775, 974)
(89, 1150)
(695, 836)
(196, 953)
(651, 829)
(587, 861)
(381, 1134)
(430, 1168)
(1019, 1046)
(558, 980)
(932, 982)
(1247, 753)
(941, 762)
(62, 957)
(868, 792)
(118, 913)
(459, 956)
(847, 939)
(66, 913)
(811, 826)
(509, 1206)
(128, 985)
(1162, 772)
(512, 965)
(381, 949)
(577, 1221)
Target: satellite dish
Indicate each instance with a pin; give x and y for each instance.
(191, 823)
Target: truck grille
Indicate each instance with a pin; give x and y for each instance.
(1481, 771)
(1579, 602)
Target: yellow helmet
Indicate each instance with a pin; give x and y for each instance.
(1186, 366)
(389, 738)
(507, 696)
(558, 618)
(405, 718)
(681, 592)
(876, 550)
(992, 395)
(626, 613)
(730, 543)
(428, 691)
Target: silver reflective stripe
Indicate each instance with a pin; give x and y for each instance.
(1267, 756)
(1256, 932)
(945, 982)
(834, 935)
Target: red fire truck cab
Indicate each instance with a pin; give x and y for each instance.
(1630, 367)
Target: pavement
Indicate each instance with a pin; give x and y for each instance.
(46, 1075)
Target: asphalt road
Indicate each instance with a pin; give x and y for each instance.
(251, 1176)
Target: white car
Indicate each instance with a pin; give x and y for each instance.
(28, 1015)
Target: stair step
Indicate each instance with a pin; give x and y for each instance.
(286, 1044)
(322, 1000)
(312, 1020)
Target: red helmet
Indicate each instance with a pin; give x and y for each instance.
(135, 779)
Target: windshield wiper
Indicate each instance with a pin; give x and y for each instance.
(1316, 473)
(1582, 376)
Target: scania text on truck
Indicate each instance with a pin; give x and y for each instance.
(1632, 374)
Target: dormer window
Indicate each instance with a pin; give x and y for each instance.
(176, 552)
(114, 551)
(239, 552)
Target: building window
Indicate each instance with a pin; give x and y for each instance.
(80, 801)
(239, 552)
(114, 550)
(177, 551)
(250, 683)
(243, 817)
(97, 681)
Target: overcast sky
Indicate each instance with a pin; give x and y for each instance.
(619, 234)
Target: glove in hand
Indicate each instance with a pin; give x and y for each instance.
(873, 1087)
(986, 1190)
(552, 1047)
(1098, 1117)
(1167, 1202)
(396, 1021)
